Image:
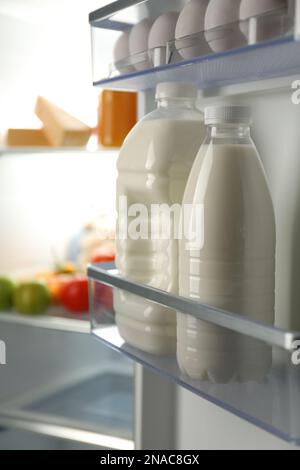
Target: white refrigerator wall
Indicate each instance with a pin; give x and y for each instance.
(45, 201)
(35, 61)
(204, 426)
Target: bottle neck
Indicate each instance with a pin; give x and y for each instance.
(237, 131)
(176, 103)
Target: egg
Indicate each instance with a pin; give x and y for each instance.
(162, 31)
(191, 21)
(267, 26)
(220, 13)
(121, 52)
(138, 42)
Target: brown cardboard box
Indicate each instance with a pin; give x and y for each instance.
(61, 129)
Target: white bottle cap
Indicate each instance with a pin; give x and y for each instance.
(176, 90)
(227, 115)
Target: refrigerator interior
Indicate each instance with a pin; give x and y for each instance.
(67, 388)
(59, 388)
(263, 78)
(57, 383)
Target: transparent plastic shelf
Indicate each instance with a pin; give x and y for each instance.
(279, 58)
(257, 48)
(266, 392)
(56, 385)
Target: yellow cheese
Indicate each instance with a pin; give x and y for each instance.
(61, 129)
(26, 138)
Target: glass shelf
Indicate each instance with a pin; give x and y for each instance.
(268, 399)
(258, 48)
(54, 151)
(279, 58)
(66, 431)
(56, 385)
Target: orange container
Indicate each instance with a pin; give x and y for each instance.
(117, 116)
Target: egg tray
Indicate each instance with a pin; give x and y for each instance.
(155, 57)
(266, 27)
(259, 29)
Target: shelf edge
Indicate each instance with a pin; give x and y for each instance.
(273, 336)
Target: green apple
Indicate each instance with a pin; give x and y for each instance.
(32, 298)
(7, 289)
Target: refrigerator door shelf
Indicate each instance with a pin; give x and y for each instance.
(269, 401)
(274, 59)
(98, 407)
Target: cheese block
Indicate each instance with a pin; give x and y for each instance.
(61, 129)
(26, 138)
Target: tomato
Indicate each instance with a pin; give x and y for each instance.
(104, 258)
(104, 296)
(55, 283)
(75, 295)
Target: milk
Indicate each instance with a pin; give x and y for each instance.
(234, 267)
(154, 165)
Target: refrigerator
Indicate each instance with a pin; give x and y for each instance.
(72, 383)
(178, 413)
